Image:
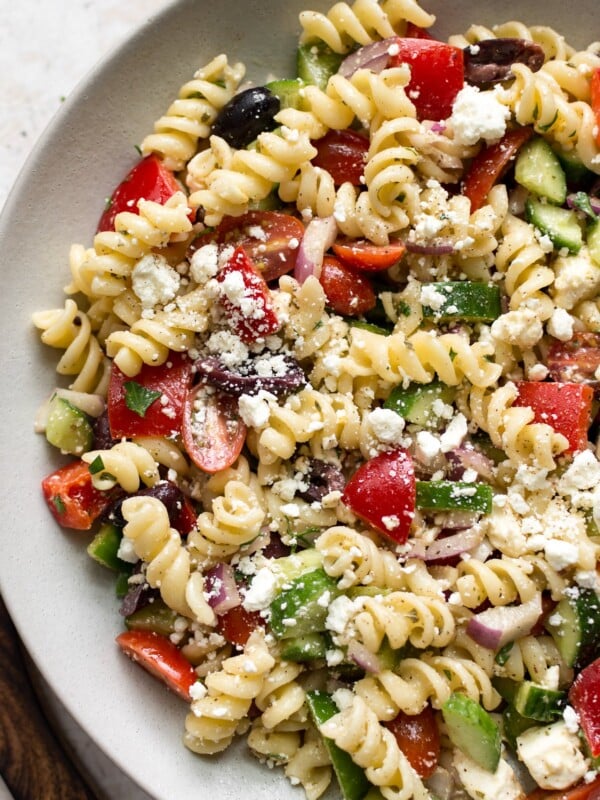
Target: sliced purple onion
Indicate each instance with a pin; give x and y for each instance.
(221, 589)
(497, 626)
(318, 237)
(450, 546)
(438, 127)
(364, 658)
(237, 383)
(374, 57)
(463, 458)
(433, 249)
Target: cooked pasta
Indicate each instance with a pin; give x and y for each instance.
(332, 404)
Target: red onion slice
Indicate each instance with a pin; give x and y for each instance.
(373, 56)
(573, 201)
(221, 589)
(449, 546)
(319, 235)
(463, 458)
(364, 658)
(495, 627)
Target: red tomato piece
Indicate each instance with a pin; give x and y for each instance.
(161, 658)
(583, 791)
(71, 497)
(348, 293)
(490, 164)
(343, 154)
(363, 255)
(213, 431)
(148, 180)
(566, 407)
(437, 74)
(186, 518)
(418, 737)
(575, 361)
(237, 624)
(414, 32)
(595, 101)
(584, 696)
(165, 414)
(382, 492)
(269, 238)
(247, 299)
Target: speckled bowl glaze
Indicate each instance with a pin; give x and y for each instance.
(62, 603)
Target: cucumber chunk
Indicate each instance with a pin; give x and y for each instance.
(575, 170)
(539, 170)
(472, 730)
(104, 548)
(465, 300)
(301, 609)
(316, 63)
(156, 616)
(559, 224)
(68, 428)
(288, 91)
(575, 627)
(304, 648)
(417, 403)
(288, 568)
(593, 242)
(351, 778)
(513, 725)
(538, 703)
(454, 496)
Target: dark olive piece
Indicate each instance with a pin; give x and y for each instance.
(102, 436)
(491, 60)
(245, 380)
(246, 115)
(168, 493)
(322, 479)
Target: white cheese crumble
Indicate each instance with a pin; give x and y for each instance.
(387, 425)
(552, 755)
(255, 409)
(261, 592)
(480, 784)
(153, 281)
(560, 325)
(204, 263)
(478, 115)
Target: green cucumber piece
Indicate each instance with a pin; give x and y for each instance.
(104, 548)
(574, 168)
(122, 583)
(472, 730)
(575, 627)
(301, 608)
(506, 688)
(156, 616)
(454, 496)
(417, 402)
(316, 63)
(513, 725)
(593, 242)
(288, 91)
(539, 703)
(351, 778)
(368, 326)
(68, 428)
(539, 170)
(287, 568)
(559, 224)
(304, 648)
(481, 441)
(465, 300)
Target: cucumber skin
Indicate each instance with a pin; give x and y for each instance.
(577, 637)
(538, 703)
(539, 170)
(466, 300)
(538, 214)
(300, 603)
(68, 428)
(593, 242)
(441, 496)
(473, 730)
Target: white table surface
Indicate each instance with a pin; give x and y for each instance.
(46, 48)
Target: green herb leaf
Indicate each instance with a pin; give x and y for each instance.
(97, 465)
(138, 398)
(503, 654)
(59, 504)
(581, 201)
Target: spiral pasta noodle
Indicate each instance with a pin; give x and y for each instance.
(168, 562)
(211, 724)
(356, 730)
(310, 765)
(126, 464)
(189, 118)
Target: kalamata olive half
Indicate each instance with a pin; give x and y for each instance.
(167, 492)
(246, 115)
(491, 60)
(322, 479)
(247, 380)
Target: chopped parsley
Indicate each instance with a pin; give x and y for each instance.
(97, 465)
(139, 398)
(58, 503)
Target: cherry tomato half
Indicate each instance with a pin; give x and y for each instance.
(566, 407)
(348, 293)
(269, 238)
(368, 257)
(575, 361)
(148, 180)
(418, 737)
(583, 791)
(161, 658)
(595, 100)
(237, 624)
(71, 497)
(213, 431)
(164, 415)
(382, 492)
(343, 154)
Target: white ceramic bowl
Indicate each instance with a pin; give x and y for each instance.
(62, 603)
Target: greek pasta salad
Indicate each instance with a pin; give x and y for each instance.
(332, 418)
